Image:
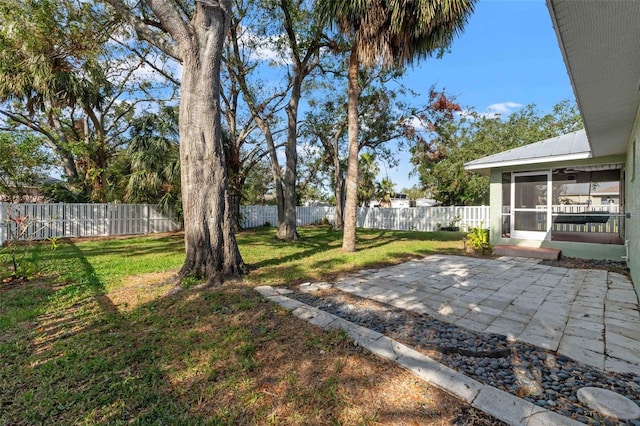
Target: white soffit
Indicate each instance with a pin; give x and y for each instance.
(572, 146)
(600, 43)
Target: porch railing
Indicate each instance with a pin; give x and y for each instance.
(577, 222)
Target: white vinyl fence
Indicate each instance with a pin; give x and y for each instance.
(424, 218)
(81, 220)
(252, 216)
(86, 220)
(411, 218)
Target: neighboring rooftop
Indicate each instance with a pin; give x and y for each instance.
(572, 146)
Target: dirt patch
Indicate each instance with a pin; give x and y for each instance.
(137, 290)
(575, 263)
(299, 374)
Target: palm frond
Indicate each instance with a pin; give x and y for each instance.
(397, 32)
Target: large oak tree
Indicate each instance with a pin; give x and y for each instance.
(194, 35)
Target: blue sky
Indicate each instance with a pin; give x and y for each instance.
(507, 56)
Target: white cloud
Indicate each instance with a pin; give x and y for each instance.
(503, 107)
(122, 41)
(167, 65)
(496, 110)
(465, 113)
(472, 115)
(416, 123)
(261, 48)
(282, 157)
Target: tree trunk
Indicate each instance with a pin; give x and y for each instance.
(234, 165)
(275, 165)
(234, 211)
(210, 243)
(60, 148)
(287, 227)
(338, 221)
(68, 166)
(351, 203)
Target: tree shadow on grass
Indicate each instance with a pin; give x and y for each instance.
(129, 249)
(313, 248)
(89, 282)
(220, 357)
(293, 267)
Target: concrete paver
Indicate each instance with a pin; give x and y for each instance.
(590, 315)
(609, 403)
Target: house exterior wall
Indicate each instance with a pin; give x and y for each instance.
(632, 204)
(571, 249)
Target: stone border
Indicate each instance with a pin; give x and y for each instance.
(493, 401)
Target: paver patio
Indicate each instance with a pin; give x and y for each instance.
(591, 316)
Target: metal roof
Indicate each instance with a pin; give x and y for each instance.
(600, 43)
(572, 146)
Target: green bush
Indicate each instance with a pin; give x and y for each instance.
(478, 238)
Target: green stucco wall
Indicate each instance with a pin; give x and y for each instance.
(632, 204)
(495, 206)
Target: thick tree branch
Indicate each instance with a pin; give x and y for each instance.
(25, 121)
(144, 31)
(171, 18)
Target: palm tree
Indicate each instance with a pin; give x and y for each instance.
(391, 34)
(153, 158)
(385, 190)
(42, 77)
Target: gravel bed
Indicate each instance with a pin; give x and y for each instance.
(573, 262)
(541, 377)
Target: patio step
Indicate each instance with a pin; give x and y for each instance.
(521, 251)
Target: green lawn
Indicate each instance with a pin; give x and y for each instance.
(92, 338)
(318, 254)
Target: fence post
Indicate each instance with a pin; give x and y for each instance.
(108, 227)
(147, 216)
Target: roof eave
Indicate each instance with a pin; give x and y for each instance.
(599, 41)
(525, 162)
(556, 29)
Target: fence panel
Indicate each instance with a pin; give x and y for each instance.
(85, 220)
(253, 216)
(423, 218)
(4, 223)
(406, 218)
(314, 214)
(81, 220)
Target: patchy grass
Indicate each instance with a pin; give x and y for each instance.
(92, 340)
(318, 254)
